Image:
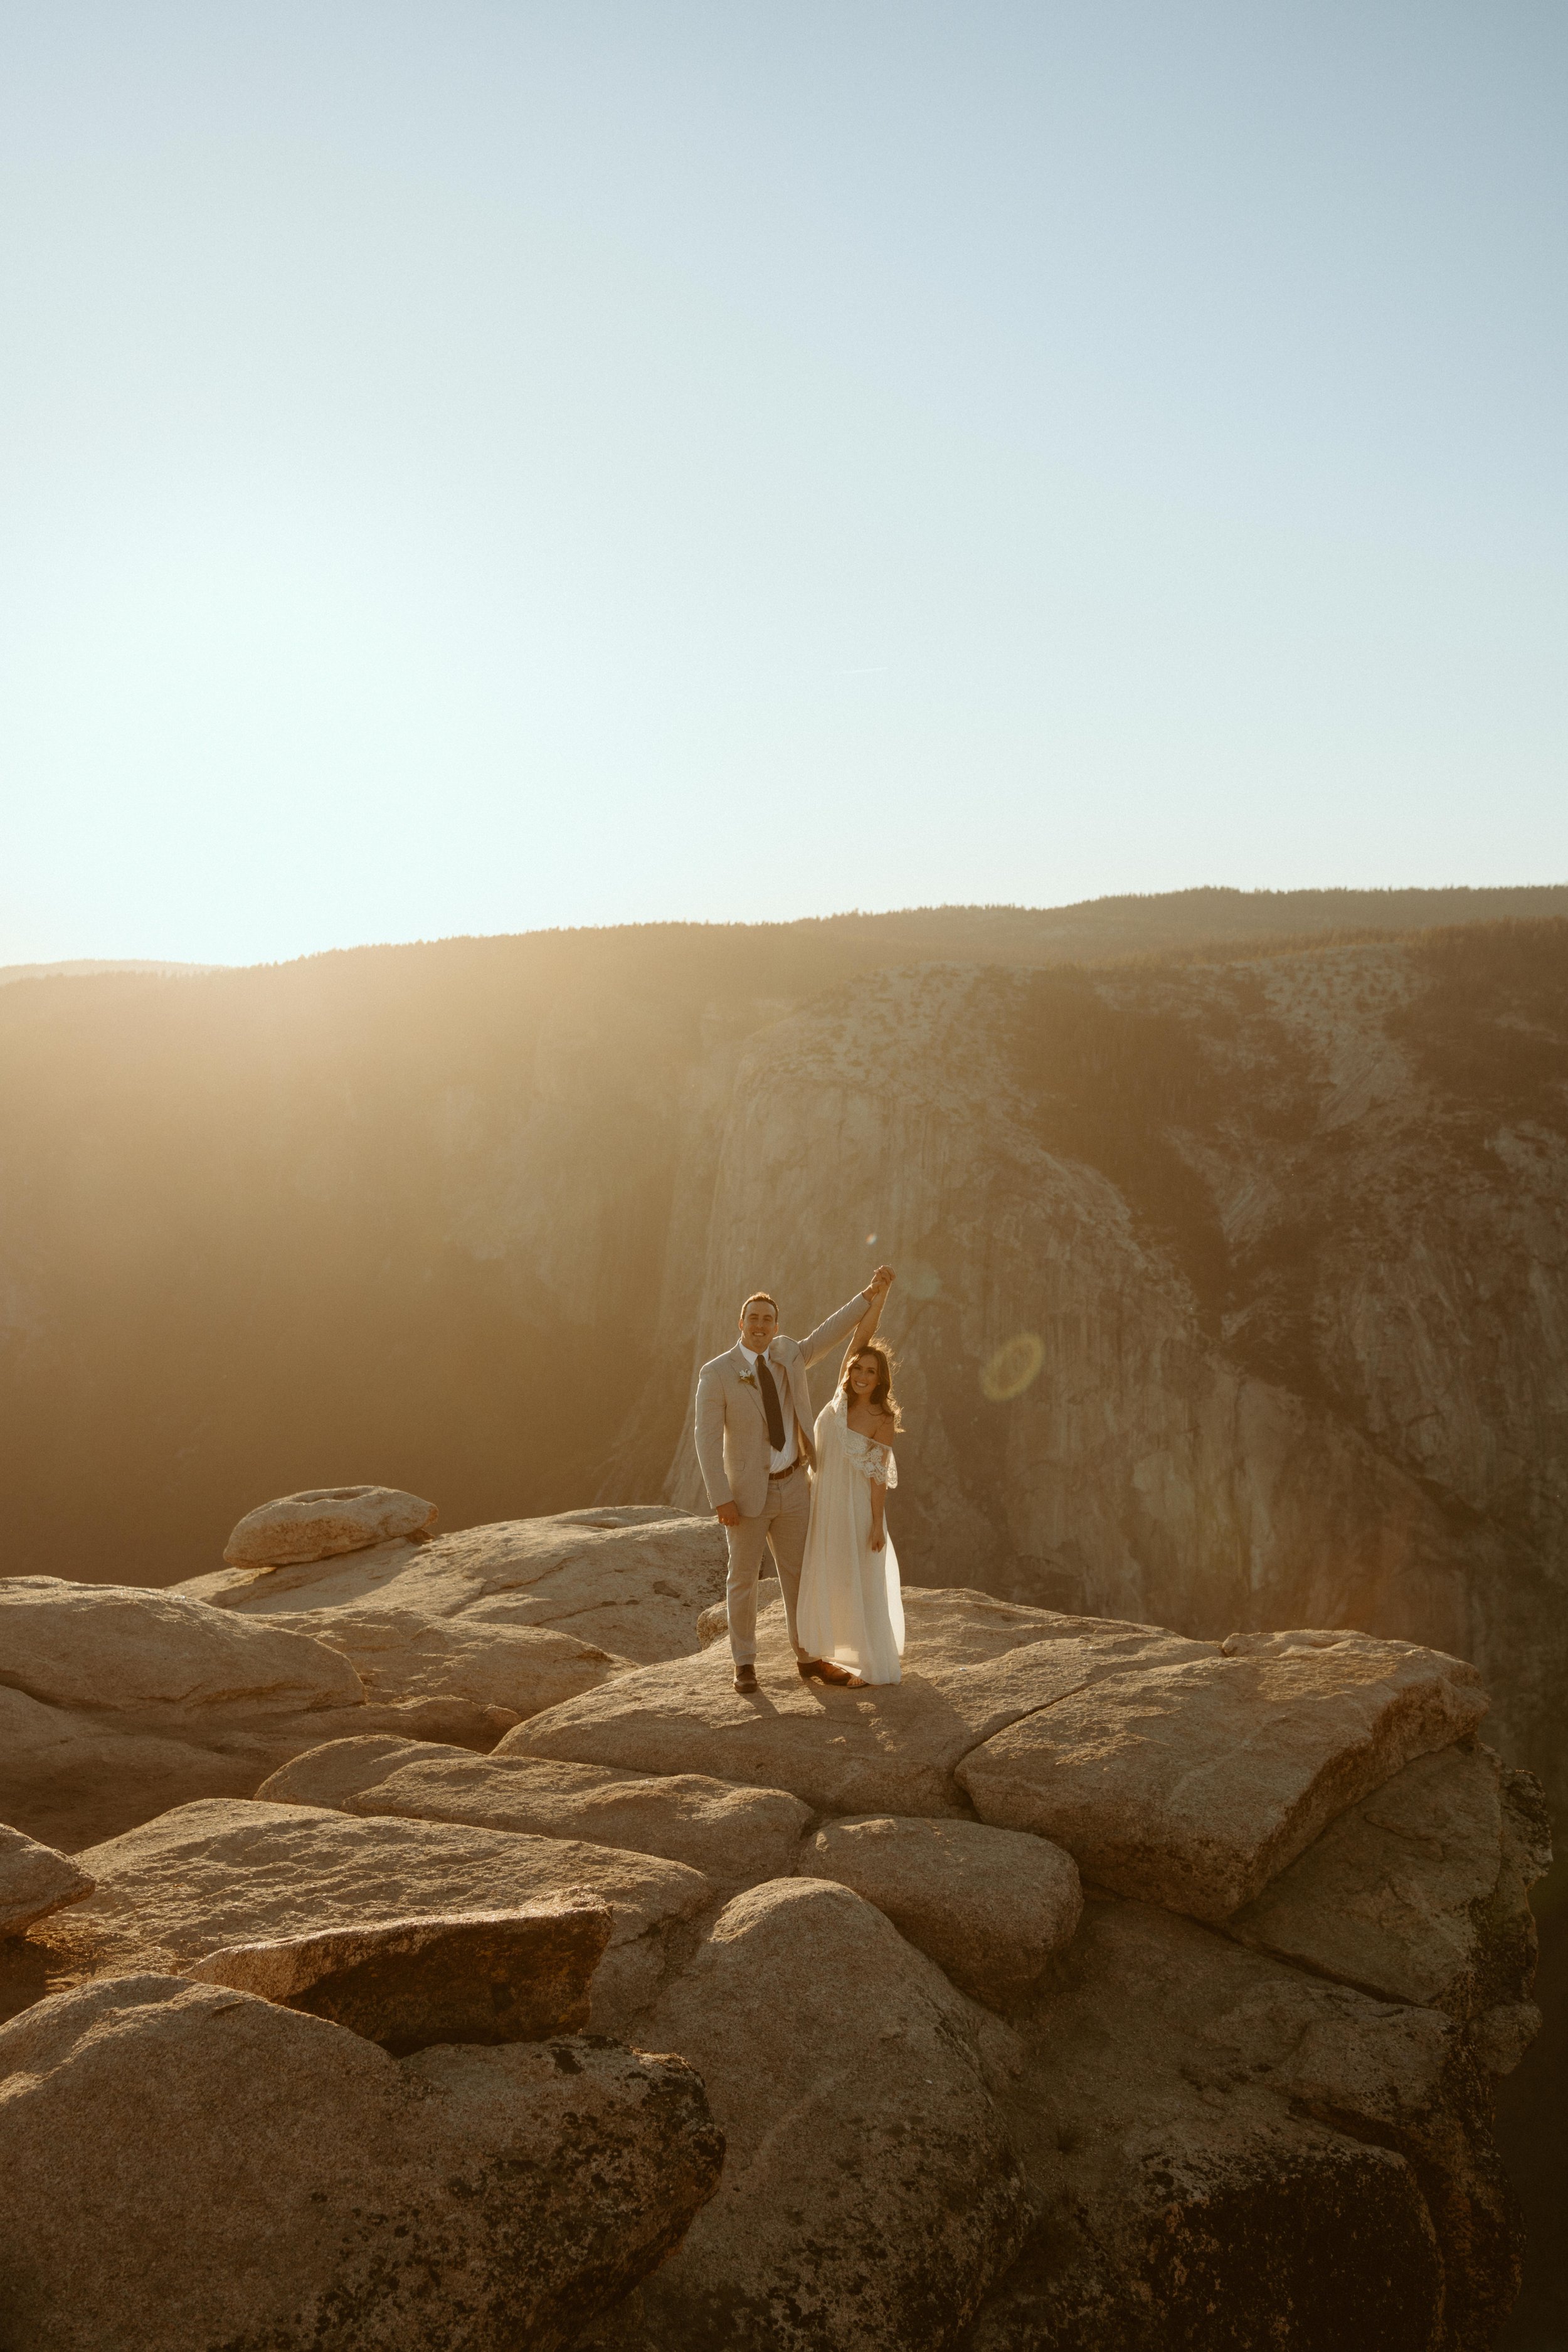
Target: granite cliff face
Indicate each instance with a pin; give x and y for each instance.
(1233, 1296)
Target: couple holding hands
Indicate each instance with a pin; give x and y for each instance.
(827, 1534)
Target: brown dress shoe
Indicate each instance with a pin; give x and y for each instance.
(825, 1670)
(745, 1678)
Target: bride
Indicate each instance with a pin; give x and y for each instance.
(851, 1609)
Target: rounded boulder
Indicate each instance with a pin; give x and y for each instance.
(323, 1521)
(990, 1906)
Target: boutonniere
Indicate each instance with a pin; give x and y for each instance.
(748, 1380)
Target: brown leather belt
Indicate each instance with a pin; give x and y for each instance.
(783, 1474)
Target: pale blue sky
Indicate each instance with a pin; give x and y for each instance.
(470, 468)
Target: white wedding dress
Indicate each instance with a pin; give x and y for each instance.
(850, 1608)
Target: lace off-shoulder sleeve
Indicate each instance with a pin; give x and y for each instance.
(875, 1463)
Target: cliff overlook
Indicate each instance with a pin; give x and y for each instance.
(1232, 1284)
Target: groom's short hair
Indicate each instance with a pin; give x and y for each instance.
(759, 1299)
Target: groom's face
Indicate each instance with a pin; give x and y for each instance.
(758, 1324)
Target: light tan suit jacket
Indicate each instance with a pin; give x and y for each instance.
(732, 1447)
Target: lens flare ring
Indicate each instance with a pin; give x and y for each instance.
(1015, 1367)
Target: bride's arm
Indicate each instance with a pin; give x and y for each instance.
(875, 1300)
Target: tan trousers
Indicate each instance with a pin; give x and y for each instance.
(781, 1529)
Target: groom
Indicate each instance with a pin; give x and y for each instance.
(753, 1442)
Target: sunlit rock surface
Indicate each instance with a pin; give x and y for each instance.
(117, 1703)
(630, 1581)
(973, 1666)
(961, 2118)
(221, 1872)
(324, 1521)
(103, 1645)
(400, 1652)
(733, 1835)
(1195, 1784)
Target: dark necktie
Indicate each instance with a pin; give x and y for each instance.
(770, 1405)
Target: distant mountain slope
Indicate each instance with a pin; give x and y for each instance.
(810, 952)
(1100, 930)
(90, 969)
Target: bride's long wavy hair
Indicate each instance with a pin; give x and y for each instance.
(882, 1395)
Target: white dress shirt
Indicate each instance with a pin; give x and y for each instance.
(783, 1456)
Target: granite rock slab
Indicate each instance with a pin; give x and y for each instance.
(1401, 1895)
(124, 1646)
(973, 1666)
(990, 1906)
(35, 1880)
(628, 1579)
(1194, 1784)
(404, 1652)
(734, 1836)
(477, 1977)
(1229, 2152)
(72, 1776)
(221, 1872)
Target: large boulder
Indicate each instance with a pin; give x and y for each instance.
(117, 1703)
(870, 2191)
(72, 1776)
(990, 1906)
(340, 1770)
(1226, 2152)
(1417, 1892)
(734, 1836)
(479, 1977)
(187, 2165)
(1194, 1784)
(215, 1874)
(35, 1880)
(972, 1666)
(323, 1522)
(400, 1652)
(630, 1579)
(120, 1646)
